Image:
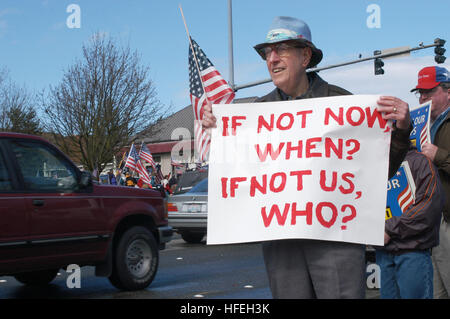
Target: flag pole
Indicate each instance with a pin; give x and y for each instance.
(195, 59)
(193, 51)
(230, 44)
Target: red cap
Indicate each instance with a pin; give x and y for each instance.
(430, 77)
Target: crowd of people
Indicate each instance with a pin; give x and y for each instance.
(126, 178)
(415, 258)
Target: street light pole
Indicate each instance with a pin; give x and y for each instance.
(438, 43)
(230, 45)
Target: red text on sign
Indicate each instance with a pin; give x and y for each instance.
(310, 148)
(330, 181)
(326, 214)
(235, 122)
(284, 121)
(355, 116)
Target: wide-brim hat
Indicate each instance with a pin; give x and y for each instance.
(291, 29)
(430, 77)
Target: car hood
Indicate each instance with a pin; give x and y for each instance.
(126, 191)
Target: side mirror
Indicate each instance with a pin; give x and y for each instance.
(85, 179)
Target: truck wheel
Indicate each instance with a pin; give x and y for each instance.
(136, 259)
(37, 278)
(192, 238)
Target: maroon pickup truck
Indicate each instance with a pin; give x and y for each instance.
(53, 215)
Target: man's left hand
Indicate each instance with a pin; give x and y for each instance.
(395, 109)
(429, 150)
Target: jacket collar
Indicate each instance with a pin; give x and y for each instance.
(317, 88)
(438, 122)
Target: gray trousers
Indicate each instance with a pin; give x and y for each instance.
(315, 269)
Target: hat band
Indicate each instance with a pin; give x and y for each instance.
(278, 35)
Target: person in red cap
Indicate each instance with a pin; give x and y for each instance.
(303, 268)
(434, 84)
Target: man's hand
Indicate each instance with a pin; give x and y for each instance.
(387, 238)
(395, 109)
(209, 120)
(429, 150)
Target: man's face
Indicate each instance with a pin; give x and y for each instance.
(287, 67)
(440, 98)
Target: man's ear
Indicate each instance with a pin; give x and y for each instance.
(307, 54)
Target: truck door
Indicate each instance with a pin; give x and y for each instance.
(13, 216)
(63, 221)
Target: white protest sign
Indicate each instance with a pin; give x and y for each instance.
(314, 168)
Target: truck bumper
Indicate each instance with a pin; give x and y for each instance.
(165, 235)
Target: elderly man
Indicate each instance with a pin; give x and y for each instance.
(434, 84)
(314, 268)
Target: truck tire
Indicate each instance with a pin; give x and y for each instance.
(37, 278)
(136, 259)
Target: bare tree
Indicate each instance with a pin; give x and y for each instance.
(17, 112)
(103, 100)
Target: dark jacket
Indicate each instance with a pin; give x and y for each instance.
(418, 227)
(442, 161)
(285, 259)
(319, 88)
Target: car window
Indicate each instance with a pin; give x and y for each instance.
(201, 187)
(5, 178)
(42, 168)
(189, 179)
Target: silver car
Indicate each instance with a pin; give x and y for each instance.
(188, 212)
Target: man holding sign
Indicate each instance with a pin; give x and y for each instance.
(305, 268)
(434, 85)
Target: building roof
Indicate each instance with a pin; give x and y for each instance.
(162, 131)
(164, 147)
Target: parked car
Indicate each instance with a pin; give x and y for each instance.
(53, 215)
(189, 179)
(188, 212)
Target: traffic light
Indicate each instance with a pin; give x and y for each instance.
(378, 64)
(439, 50)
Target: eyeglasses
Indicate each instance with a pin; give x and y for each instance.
(282, 50)
(423, 92)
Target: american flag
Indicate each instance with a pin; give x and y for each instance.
(405, 198)
(145, 154)
(158, 174)
(424, 136)
(217, 92)
(134, 163)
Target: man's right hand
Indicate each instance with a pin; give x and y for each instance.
(209, 120)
